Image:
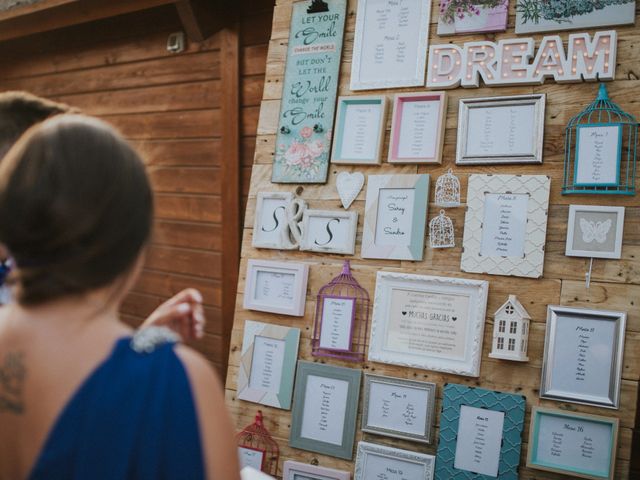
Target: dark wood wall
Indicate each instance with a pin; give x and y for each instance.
(172, 107)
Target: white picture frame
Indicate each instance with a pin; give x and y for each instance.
(304, 471)
(270, 225)
(374, 460)
(395, 217)
(408, 317)
(501, 130)
(595, 231)
(583, 356)
(506, 225)
(384, 56)
(276, 287)
(398, 408)
(329, 231)
(358, 135)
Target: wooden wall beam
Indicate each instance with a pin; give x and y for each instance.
(203, 18)
(231, 169)
(51, 15)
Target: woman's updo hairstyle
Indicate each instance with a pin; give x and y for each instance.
(75, 208)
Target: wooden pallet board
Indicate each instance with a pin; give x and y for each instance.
(616, 283)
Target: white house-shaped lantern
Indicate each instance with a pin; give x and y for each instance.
(511, 332)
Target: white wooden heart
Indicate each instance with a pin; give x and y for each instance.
(349, 186)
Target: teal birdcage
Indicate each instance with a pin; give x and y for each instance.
(600, 150)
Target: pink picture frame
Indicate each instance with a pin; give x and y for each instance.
(292, 469)
(417, 127)
(276, 287)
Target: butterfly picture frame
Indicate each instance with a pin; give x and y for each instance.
(595, 231)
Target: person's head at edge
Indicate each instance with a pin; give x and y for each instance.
(75, 208)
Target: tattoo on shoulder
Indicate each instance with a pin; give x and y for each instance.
(12, 378)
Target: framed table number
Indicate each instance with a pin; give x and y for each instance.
(499, 130)
(506, 225)
(417, 129)
(398, 408)
(598, 155)
(329, 231)
(395, 217)
(583, 353)
(276, 287)
(480, 434)
(381, 462)
(267, 364)
(359, 130)
(325, 407)
(432, 323)
(270, 223)
(391, 44)
(575, 444)
(595, 231)
(302, 471)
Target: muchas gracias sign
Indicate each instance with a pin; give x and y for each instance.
(515, 61)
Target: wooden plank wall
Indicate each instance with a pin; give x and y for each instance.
(616, 284)
(169, 106)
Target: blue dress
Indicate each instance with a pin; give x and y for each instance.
(134, 417)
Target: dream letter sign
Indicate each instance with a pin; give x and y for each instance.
(309, 96)
(514, 61)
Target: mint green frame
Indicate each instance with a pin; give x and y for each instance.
(577, 472)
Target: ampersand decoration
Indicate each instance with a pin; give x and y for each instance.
(292, 233)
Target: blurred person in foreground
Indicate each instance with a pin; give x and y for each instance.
(81, 395)
(19, 111)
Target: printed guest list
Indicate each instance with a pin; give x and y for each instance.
(583, 356)
(579, 444)
(505, 225)
(379, 467)
(361, 127)
(597, 155)
(337, 317)
(390, 41)
(427, 323)
(324, 409)
(395, 217)
(398, 408)
(418, 129)
(479, 440)
(501, 131)
(266, 366)
(274, 287)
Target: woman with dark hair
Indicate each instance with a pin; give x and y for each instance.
(80, 396)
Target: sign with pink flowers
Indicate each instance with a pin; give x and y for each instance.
(460, 17)
(303, 141)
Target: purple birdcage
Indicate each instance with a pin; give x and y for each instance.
(342, 319)
(257, 448)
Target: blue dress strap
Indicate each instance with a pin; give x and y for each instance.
(134, 417)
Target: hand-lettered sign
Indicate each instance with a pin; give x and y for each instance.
(309, 96)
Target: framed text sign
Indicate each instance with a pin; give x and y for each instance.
(308, 103)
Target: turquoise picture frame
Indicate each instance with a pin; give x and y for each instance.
(372, 247)
(338, 132)
(577, 470)
(300, 402)
(280, 397)
(513, 406)
(620, 127)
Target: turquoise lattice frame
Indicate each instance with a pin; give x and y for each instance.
(513, 406)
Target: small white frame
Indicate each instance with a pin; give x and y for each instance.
(343, 243)
(468, 105)
(413, 248)
(278, 231)
(344, 103)
(596, 231)
(419, 291)
(531, 263)
(295, 290)
(416, 79)
(396, 457)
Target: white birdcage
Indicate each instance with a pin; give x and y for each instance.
(441, 232)
(511, 332)
(448, 190)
